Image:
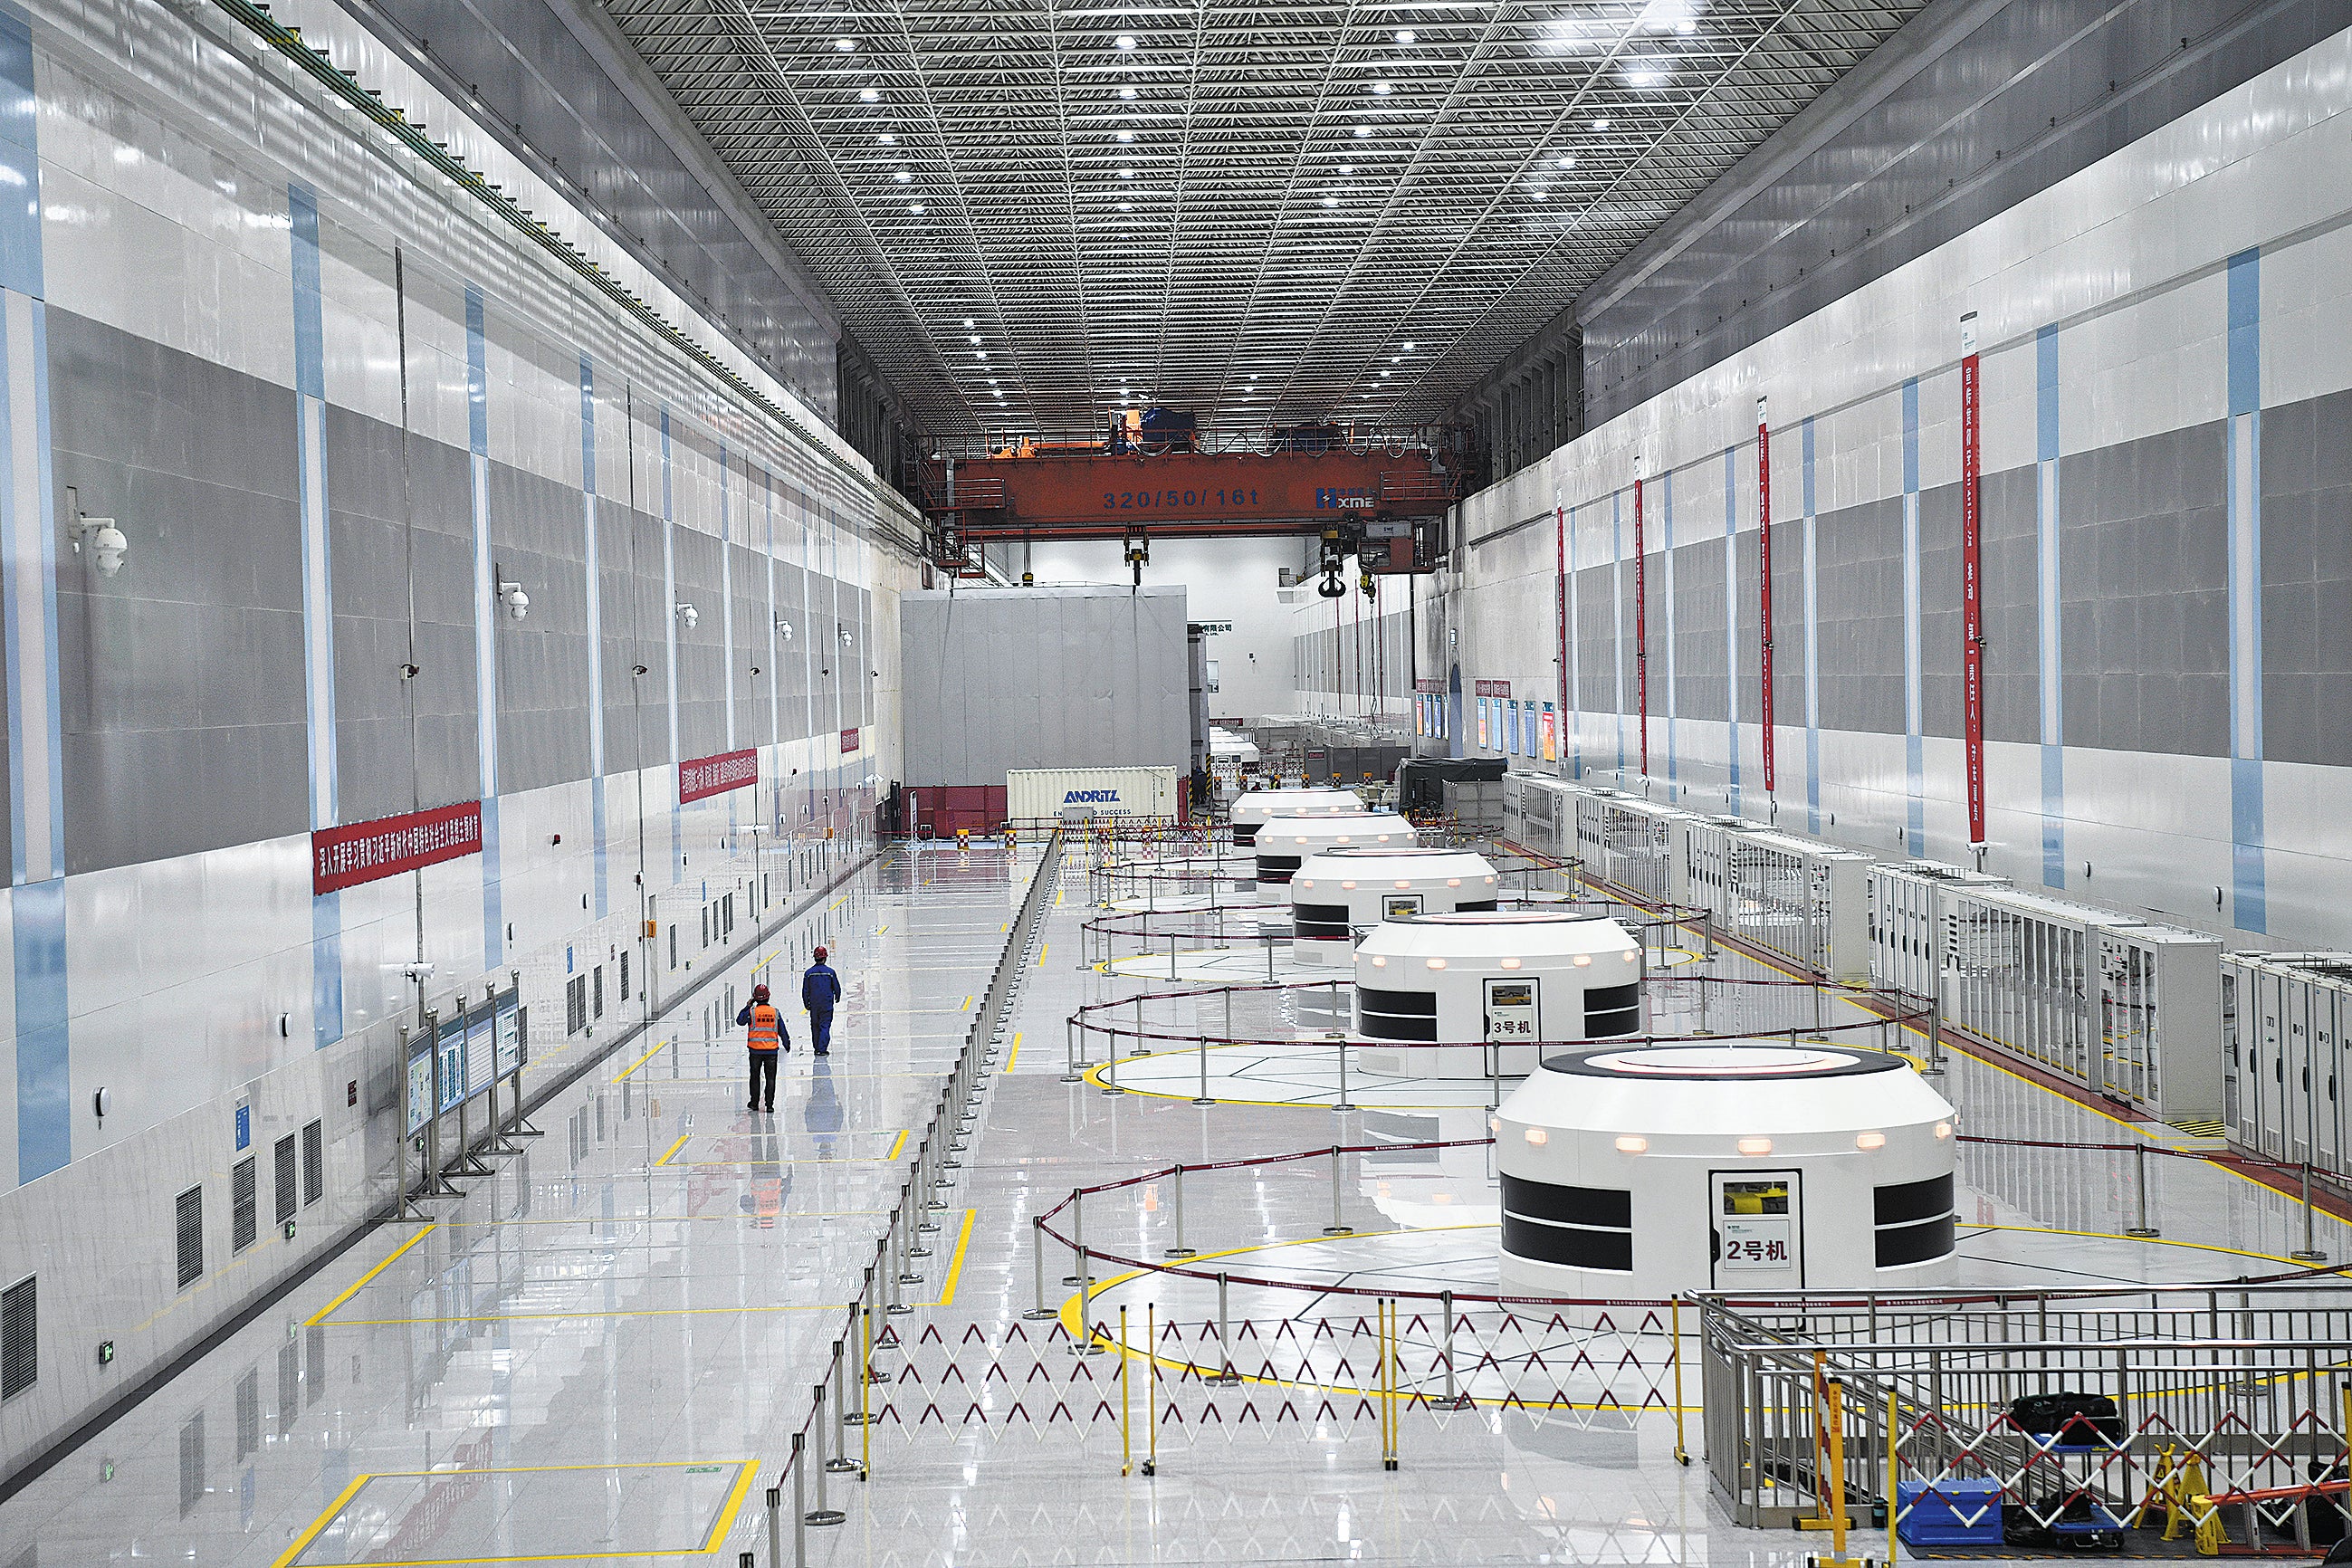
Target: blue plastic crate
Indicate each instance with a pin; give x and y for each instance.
(1951, 1512)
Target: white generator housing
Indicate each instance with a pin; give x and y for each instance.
(1428, 987)
(1255, 809)
(1340, 892)
(1641, 1171)
(1284, 844)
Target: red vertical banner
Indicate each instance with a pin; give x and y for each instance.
(1559, 605)
(1764, 573)
(1972, 583)
(1641, 622)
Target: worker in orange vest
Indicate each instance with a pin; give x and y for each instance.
(766, 1038)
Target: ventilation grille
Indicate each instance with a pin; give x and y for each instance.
(283, 1176)
(190, 1224)
(245, 1216)
(314, 1163)
(20, 1336)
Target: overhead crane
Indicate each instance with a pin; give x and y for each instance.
(1380, 503)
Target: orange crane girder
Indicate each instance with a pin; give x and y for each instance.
(1101, 495)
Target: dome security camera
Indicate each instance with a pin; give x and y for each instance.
(106, 547)
(688, 615)
(518, 603)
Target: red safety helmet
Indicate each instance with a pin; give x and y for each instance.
(758, 993)
(819, 955)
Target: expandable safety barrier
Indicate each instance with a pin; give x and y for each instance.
(2217, 1415)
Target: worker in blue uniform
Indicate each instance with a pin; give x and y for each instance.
(820, 989)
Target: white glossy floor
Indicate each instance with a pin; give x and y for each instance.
(597, 1356)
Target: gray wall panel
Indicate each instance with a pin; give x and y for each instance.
(633, 733)
(1859, 554)
(1042, 677)
(701, 659)
(2145, 593)
(1939, 615)
(2306, 467)
(2013, 622)
(1701, 689)
(535, 534)
(181, 679)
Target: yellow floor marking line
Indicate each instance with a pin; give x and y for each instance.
(317, 1526)
(1013, 1059)
(955, 1264)
(898, 1146)
(673, 1148)
(643, 1060)
(1043, 951)
(320, 1315)
(727, 1509)
(746, 1471)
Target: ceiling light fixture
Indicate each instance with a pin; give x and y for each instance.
(1362, 132)
(887, 139)
(1600, 125)
(1406, 36)
(901, 177)
(869, 94)
(1125, 135)
(1127, 93)
(1126, 40)
(844, 45)
(1381, 90)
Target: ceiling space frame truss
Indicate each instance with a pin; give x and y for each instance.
(1030, 212)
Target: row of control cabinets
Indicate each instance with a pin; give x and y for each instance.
(2123, 1008)
(2285, 1017)
(1801, 899)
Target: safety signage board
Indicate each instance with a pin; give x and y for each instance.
(706, 776)
(360, 852)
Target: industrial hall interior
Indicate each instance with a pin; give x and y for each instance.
(1164, 784)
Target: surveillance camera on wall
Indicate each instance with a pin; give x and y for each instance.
(517, 602)
(417, 973)
(688, 615)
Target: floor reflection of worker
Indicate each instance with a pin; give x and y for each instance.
(770, 1185)
(823, 1113)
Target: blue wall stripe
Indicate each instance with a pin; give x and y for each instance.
(727, 598)
(2052, 640)
(44, 1061)
(1666, 605)
(28, 624)
(669, 647)
(1731, 611)
(594, 571)
(1617, 614)
(318, 600)
(485, 648)
(2249, 875)
(1915, 747)
(20, 165)
(1812, 636)
(1571, 723)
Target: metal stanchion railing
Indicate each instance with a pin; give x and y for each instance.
(1180, 1250)
(1337, 1226)
(2140, 1226)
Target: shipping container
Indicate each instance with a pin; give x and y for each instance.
(1078, 795)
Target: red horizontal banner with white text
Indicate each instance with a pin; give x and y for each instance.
(706, 776)
(1491, 688)
(368, 851)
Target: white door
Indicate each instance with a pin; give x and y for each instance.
(1511, 1012)
(1758, 1223)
